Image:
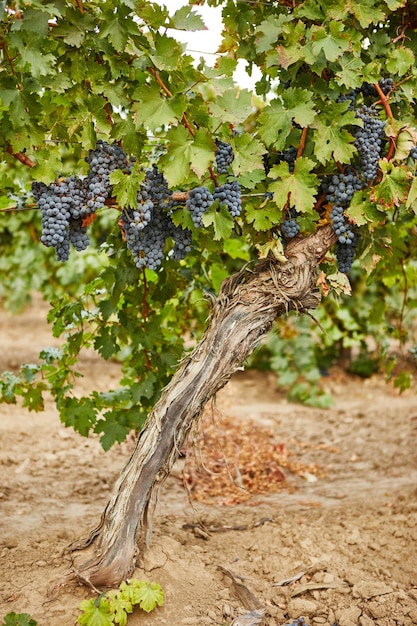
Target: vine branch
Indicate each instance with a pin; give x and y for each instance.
(303, 140)
(21, 156)
(385, 103)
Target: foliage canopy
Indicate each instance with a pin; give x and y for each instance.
(74, 72)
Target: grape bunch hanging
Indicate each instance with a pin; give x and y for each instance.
(338, 189)
(69, 205)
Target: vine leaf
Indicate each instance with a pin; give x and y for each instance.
(221, 220)
(393, 188)
(153, 110)
(400, 60)
(186, 153)
(234, 106)
(119, 608)
(333, 43)
(95, 613)
(148, 596)
(276, 121)
(331, 138)
(19, 619)
(298, 187)
(187, 19)
(412, 196)
(263, 217)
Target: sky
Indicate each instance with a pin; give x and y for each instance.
(204, 43)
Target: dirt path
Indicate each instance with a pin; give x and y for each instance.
(352, 531)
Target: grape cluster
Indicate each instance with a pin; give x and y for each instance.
(350, 97)
(289, 227)
(147, 244)
(103, 160)
(60, 206)
(229, 194)
(386, 85)
(288, 156)
(368, 141)
(157, 189)
(78, 235)
(339, 190)
(345, 252)
(182, 242)
(224, 156)
(67, 201)
(199, 200)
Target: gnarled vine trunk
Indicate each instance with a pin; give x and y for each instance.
(244, 311)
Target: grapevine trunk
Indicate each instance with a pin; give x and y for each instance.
(244, 311)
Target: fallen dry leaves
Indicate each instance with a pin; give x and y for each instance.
(230, 460)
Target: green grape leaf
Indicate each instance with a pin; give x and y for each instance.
(95, 613)
(399, 60)
(331, 138)
(275, 125)
(333, 42)
(299, 187)
(267, 32)
(367, 13)
(276, 120)
(19, 619)
(154, 110)
(348, 75)
(220, 219)
(248, 154)
(217, 275)
(116, 32)
(187, 19)
(263, 217)
(111, 428)
(185, 154)
(119, 607)
(274, 247)
(168, 52)
(33, 398)
(80, 413)
(393, 5)
(40, 64)
(147, 595)
(125, 188)
(233, 106)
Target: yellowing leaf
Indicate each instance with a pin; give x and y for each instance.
(147, 595)
(400, 60)
(340, 283)
(95, 613)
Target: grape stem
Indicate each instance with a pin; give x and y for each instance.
(385, 103)
(302, 142)
(9, 60)
(21, 156)
(80, 6)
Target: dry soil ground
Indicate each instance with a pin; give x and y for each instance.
(347, 539)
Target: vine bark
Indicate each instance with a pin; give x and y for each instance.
(247, 305)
